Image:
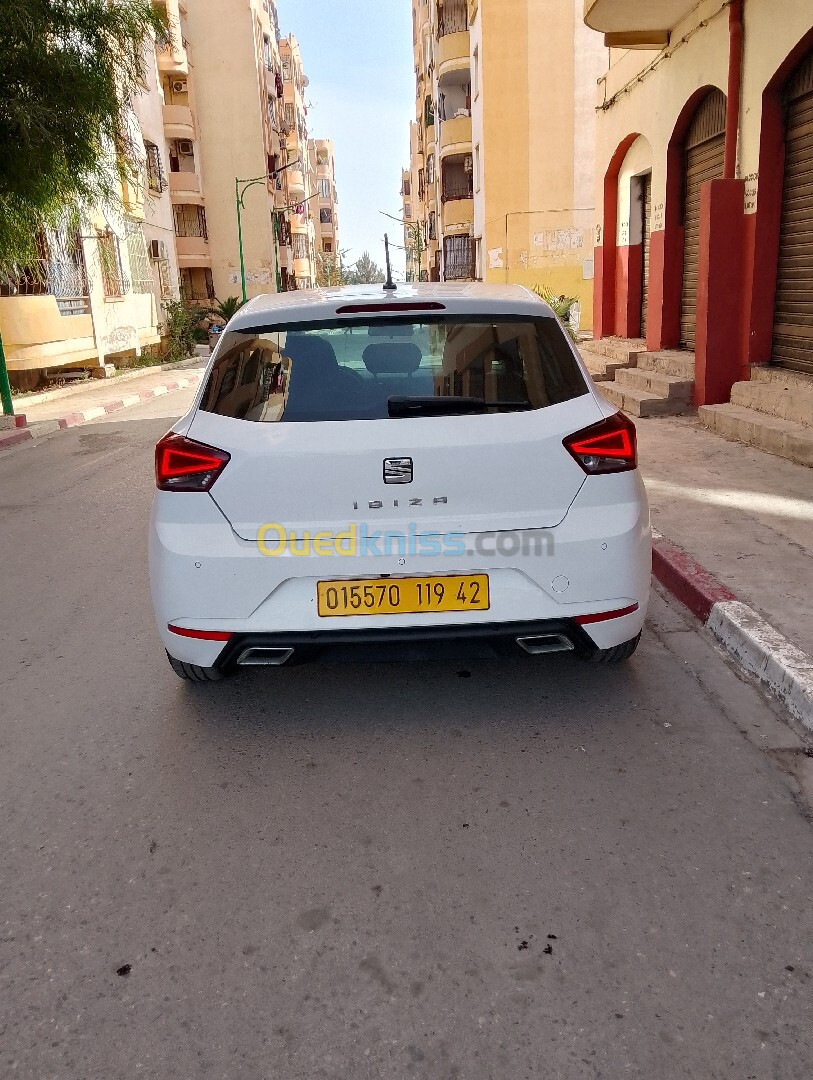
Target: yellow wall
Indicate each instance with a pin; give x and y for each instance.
(537, 146)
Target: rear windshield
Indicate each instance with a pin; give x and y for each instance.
(392, 368)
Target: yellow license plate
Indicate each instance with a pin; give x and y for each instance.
(403, 596)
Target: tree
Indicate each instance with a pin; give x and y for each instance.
(225, 309)
(329, 270)
(365, 272)
(68, 69)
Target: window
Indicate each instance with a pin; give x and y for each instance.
(408, 211)
(327, 246)
(190, 221)
(406, 187)
(140, 269)
(476, 72)
(430, 169)
(459, 258)
(433, 225)
(113, 280)
(286, 69)
(317, 372)
(421, 185)
(300, 243)
(326, 216)
(477, 167)
(324, 189)
(290, 116)
(196, 283)
(267, 53)
(155, 173)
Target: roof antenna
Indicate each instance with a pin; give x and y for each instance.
(389, 284)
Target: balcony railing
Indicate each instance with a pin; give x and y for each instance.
(453, 17)
(457, 189)
(190, 221)
(66, 281)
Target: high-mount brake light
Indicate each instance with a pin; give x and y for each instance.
(365, 309)
(607, 447)
(182, 464)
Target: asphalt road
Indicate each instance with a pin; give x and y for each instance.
(488, 872)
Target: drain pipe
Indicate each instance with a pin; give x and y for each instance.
(732, 118)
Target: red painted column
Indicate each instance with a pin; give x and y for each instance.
(629, 266)
(719, 291)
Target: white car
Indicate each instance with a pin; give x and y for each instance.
(396, 474)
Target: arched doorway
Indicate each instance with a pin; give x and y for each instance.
(793, 310)
(634, 231)
(704, 154)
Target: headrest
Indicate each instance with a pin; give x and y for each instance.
(394, 358)
(315, 351)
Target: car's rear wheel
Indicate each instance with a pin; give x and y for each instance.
(615, 655)
(193, 673)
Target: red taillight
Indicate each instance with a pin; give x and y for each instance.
(200, 635)
(182, 464)
(605, 616)
(607, 447)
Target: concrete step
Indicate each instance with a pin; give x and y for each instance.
(670, 362)
(601, 368)
(665, 386)
(774, 394)
(622, 350)
(781, 437)
(642, 403)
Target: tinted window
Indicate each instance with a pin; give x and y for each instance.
(369, 371)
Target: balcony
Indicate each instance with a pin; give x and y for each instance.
(296, 183)
(182, 184)
(193, 251)
(455, 135)
(453, 36)
(178, 122)
(173, 60)
(629, 24)
(457, 213)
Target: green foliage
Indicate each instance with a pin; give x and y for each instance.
(365, 272)
(67, 71)
(179, 329)
(329, 271)
(561, 306)
(225, 309)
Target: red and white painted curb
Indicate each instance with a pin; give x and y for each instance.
(752, 642)
(126, 402)
(22, 432)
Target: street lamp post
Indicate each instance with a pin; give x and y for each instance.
(240, 189)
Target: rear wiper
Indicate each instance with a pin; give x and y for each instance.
(446, 406)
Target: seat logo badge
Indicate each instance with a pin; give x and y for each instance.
(398, 470)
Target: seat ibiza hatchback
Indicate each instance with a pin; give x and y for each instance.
(393, 475)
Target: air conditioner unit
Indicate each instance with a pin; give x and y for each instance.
(186, 148)
(155, 249)
(179, 86)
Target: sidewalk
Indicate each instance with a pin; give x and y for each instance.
(746, 517)
(42, 414)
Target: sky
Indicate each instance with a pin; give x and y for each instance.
(357, 55)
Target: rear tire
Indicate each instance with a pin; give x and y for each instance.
(193, 673)
(616, 655)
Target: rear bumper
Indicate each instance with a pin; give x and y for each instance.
(204, 577)
(389, 644)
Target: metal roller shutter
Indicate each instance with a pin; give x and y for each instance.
(793, 315)
(646, 186)
(705, 155)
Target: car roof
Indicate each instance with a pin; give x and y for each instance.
(321, 305)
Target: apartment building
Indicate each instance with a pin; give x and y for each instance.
(502, 153)
(325, 212)
(705, 193)
(226, 122)
(295, 128)
(95, 294)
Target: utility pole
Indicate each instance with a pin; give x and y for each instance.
(414, 227)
